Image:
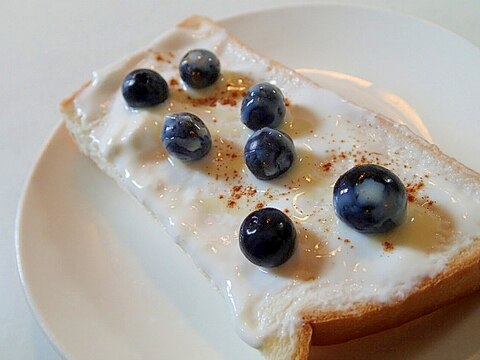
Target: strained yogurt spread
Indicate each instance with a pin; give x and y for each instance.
(203, 203)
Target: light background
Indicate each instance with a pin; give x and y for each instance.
(50, 46)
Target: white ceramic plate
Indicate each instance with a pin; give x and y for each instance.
(104, 280)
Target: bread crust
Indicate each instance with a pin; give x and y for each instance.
(461, 276)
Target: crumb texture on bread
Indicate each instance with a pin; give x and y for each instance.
(339, 285)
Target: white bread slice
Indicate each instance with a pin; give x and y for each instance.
(428, 262)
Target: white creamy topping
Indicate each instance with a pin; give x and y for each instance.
(202, 204)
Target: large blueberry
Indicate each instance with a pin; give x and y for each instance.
(144, 88)
(269, 153)
(185, 136)
(263, 105)
(199, 68)
(370, 198)
(267, 237)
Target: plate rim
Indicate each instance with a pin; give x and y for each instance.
(36, 314)
(374, 8)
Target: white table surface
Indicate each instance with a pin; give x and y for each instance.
(49, 47)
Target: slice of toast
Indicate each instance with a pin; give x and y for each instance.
(339, 284)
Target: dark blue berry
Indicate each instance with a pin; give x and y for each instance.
(263, 105)
(370, 198)
(185, 136)
(144, 88)
(269, 153)
(199, 68)
(267, 237)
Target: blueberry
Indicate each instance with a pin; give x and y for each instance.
(267, 237)
(144, 88)
(199, 68)
(185, 136)
(263, 105)
(370, 198)
(269, 153)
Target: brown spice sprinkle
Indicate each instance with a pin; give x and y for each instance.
(268, 195)
(160, 57)
(227, 94)
(363, 157)
(412, 190)
(327, 166)
(388, 247)
(238, 192)
(173, 82)
(226, 162)
(206, 101)
(228, 101)
(358, 155)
